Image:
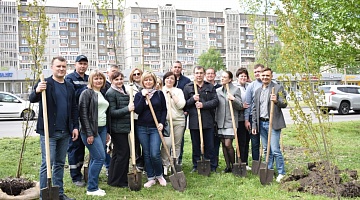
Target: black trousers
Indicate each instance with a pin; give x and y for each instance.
(243, 139)
(119, 165)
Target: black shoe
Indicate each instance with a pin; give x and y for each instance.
(227, 170)
(64, 197)
(193, 170)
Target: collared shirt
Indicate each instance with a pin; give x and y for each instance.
(264, 102)
(250, 96)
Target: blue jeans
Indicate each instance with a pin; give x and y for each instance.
(150, 141)
(58, 143)
(208, 135)
(275, 152)
(97, 157)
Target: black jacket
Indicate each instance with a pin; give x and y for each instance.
(51, 107)
(88, 111)
(119, 115)
(209, 99)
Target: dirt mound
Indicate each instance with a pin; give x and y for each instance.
(318, 179)
(14, 186)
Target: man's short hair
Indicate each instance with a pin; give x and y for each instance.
(177, 62)
(267, 69)
(211, 68)
(198, 68)
(59, 58)
(259, 65)
(114, 66)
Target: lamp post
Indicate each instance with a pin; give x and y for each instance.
(141, 38)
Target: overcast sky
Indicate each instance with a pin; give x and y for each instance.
(206, 5)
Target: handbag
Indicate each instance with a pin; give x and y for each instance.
(166, 130)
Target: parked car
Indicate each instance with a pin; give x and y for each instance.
(342, 98)
(12, 106)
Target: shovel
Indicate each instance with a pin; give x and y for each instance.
(50, 192)
(86, 169)
(134, 177)
(257, 164)
(177, 166)
(239, 168)
(177, 179)
(203, 166)
(266, 174)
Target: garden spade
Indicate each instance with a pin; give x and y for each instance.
(177, 166)
(134, 177)
(177, 179)
(257, 164)
(266, 174)
(239, 168)
(50, 192)
(86, 169)
(203, 166)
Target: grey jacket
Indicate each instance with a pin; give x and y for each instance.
(278, 117)
(223, 115)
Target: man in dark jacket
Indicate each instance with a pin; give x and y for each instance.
(206, 100)
(62, 121)
(76, 149)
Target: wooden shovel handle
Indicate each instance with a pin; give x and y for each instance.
(46, 129)
(270, 127)
(233, 123)
(200, 122)
(132, 126)
(160, 134)
(172, 135)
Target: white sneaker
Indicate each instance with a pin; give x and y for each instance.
(149, 183)
(96, 193)
(280, 176)
(101, 190)
(162, 181)
(248, 168)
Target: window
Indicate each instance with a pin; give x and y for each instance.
(134, 16)
(101, 26)
(153, 34)
(179, 35)
(62, 23)
(180, 43)
(135, 34)
(203, 20)
(179, 27)
(73, 42)
(219, 44)
(136, 59)
(101, 34)
(135, 25)
(53, 41)
(101, 42)
(219, 28)
(152, 26)
(203, 36)
(23, 41)
(102, 51)
(72, 34)
(72, 25)
(153, 43)
(53, 33)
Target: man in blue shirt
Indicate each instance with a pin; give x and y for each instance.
(249, 99)
(62, 122)
(76, 149)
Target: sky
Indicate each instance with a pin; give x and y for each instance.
(204, 5)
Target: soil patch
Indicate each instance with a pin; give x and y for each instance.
(14, 186)
(318, 179)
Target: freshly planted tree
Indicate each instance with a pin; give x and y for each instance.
(212, 58)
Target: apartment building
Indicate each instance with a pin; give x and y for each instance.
(150, 38)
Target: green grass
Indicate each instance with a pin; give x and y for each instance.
(346, 138)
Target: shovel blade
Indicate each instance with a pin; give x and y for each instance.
(203, 167)
(135, 181)
(86, 173)
(239, 169)
(178, 181)
(50, 192)
(255, 167)
(266, 176)
(178, 167)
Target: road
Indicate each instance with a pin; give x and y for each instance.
(13, 127)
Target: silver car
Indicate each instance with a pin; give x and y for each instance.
(342, 98)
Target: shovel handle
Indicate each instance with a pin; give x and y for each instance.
(172, 135)
(200, 122)
(132, 126)
(270, 126)
(160, 134)
(46, 129)
(234, 125)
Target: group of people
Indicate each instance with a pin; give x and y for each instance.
(88, 110)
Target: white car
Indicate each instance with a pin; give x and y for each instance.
(342, 98)
(12, 106)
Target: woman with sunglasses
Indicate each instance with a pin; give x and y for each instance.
(135, 80)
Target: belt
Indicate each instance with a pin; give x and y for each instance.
(264, 119)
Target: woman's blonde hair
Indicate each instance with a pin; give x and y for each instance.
(95, 73)
(147, 74)
(131, 77)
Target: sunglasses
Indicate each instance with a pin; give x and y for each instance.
(136, 74)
